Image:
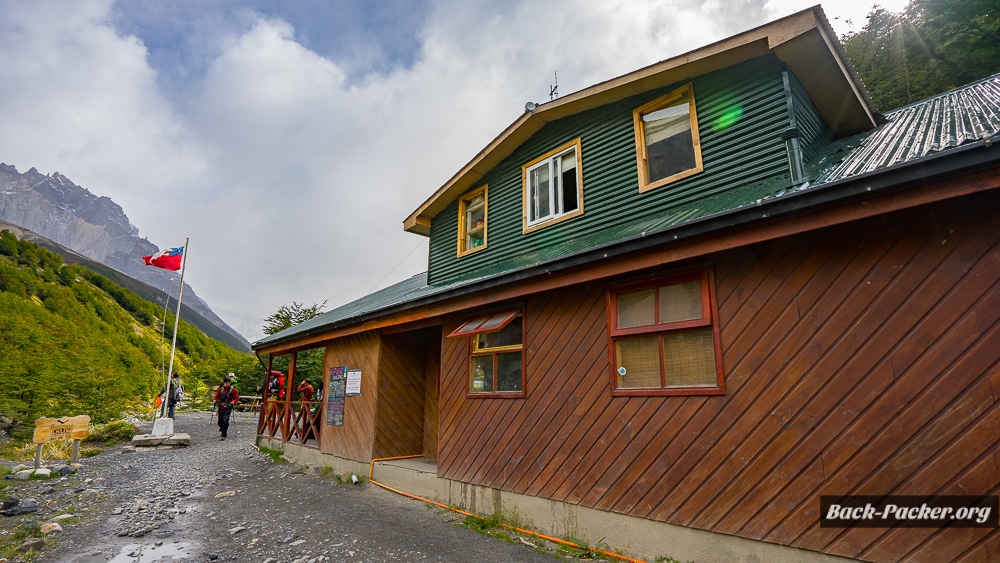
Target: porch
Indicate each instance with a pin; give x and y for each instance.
(298, 422)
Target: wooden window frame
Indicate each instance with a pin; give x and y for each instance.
(471, 329)
(575, 145)
(709, 319)
(463, 227)
(668, 100)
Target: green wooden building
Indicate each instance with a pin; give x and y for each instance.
(672, 311)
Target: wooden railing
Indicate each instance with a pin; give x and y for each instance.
(291, 421)
(249, 403)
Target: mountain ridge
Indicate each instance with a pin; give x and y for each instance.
(54, 208)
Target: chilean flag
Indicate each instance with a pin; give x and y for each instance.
(169, 259)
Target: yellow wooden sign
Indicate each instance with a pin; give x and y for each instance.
(65, 428)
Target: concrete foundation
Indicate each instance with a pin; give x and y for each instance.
(148, 440)
(163, 427)
(635, 537)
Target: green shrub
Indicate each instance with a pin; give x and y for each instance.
(115, 431)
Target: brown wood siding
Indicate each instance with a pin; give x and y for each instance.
(399, 423)
(355, 439)
(862, 358)
(432, 371)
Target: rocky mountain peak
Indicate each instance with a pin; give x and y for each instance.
(96, 227)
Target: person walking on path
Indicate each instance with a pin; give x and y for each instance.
(226, 397)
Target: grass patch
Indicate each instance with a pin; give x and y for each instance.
(99, 437)
(276, 456)
(491, 526)
(116, 431)
(327, 472)
(495, 526)
(28, 527)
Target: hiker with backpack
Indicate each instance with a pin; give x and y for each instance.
(226, 397)
(276, 388)
(174, 393)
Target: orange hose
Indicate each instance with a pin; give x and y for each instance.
(371, 469)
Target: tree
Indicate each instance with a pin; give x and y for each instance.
(290, 315)
(308, 363)
(929, 48)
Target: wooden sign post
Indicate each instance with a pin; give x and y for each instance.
(65, 428)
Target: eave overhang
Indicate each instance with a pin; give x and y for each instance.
(804, 41)
(855, 197)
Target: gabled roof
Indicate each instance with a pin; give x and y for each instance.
(804, 41)
(940, 135)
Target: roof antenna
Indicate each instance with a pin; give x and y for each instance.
(554, 88)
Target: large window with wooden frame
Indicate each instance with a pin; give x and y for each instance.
(553, 186)
(472, 221)
(665, 337)
(496, 360)
(667, 144)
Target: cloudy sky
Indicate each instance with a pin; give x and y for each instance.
(289, 139)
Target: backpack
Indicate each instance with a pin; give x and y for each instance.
(275, 386)
(175, 397)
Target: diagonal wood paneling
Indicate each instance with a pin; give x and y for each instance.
(431, 374)
(399, 420)
(859, 359)
(354, 440)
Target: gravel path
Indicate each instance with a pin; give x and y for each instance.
(225, 501)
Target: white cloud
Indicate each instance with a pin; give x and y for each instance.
(291, 180)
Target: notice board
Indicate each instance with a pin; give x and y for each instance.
(335, 396)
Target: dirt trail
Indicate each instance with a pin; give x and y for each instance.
(225, 501)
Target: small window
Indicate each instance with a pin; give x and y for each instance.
(472, 222)
(553, 187)
(495, 354)
(667, 144)
(664, 338)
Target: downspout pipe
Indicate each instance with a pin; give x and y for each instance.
(791, 136)
(794, 150)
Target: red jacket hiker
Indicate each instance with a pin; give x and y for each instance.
(226, 396)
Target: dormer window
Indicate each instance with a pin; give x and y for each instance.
(553, 187)
(666, 139)
(472, 221)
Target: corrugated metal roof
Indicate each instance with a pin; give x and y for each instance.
(909, 135)
(945, 121)
(404, 291)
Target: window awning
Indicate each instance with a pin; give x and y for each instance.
(482, 325)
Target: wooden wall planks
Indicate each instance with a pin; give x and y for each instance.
(355, 439)
(860, 359)
(402, 374)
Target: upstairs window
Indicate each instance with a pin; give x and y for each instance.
(472, 222)
(664, 337)
(667, 144)
(553, 187)
(495, 354)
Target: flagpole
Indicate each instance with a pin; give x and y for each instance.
(177, 318)
(163, 330)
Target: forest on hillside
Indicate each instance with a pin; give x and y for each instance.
(930, 47)
(73, 342)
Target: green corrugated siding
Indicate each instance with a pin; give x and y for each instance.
(746, 154)
(815, 133)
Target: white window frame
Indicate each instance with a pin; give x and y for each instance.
(552, 162)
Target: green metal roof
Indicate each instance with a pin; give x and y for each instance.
(939, 126)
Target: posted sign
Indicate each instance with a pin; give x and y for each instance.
(335, 396)
(65, 428)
